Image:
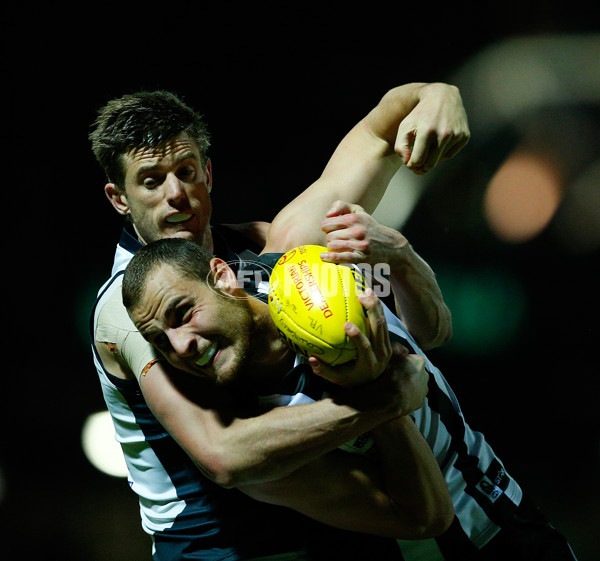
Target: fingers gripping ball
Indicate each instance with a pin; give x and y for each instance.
(311, 300)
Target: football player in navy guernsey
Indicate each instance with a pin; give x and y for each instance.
(154, 151)
(172, 292)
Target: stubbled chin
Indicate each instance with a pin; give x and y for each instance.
(184, 234)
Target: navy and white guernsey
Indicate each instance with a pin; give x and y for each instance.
(187, 515)
(483, 493)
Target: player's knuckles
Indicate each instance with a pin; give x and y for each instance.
(358, 230)
(340, 206)
(372, 304)
(356, 209)
(415, 162)
(398, 350)
(411, 367)
(360, 248)
(444, 134)
(350, 220)
(419, 379)
(335, 223)
(417, 362)
(406, 131)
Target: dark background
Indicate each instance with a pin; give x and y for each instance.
(279, 90)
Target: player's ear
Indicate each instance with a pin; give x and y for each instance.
(117, 198)
(223, 276)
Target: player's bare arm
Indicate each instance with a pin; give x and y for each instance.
(419, 124)
(353, 236)
(350, 492)
(205, 423)
(400, 492)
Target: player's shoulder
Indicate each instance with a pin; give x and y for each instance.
(111, 322)
(246, 235)
(111, 310)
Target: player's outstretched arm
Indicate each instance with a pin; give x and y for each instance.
(417, 124)
(435, 130)
(203, 420)
(205, 423)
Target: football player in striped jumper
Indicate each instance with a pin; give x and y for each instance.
(168, 300)
(183, 453)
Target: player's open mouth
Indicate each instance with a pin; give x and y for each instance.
(207, 355)
(179, 217)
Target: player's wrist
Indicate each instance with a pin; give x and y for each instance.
(377, 398)
(388, 432)
(437, 89)
(402, 257)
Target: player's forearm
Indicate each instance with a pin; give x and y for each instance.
(285, 439)
(380, 134)
(385, 118)
(359, 171)
(364, 162)
(375, 135)
(233, 450)
(419, 298)
(342, 490)
(412, 478)
(274, 444)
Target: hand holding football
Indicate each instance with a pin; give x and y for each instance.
(311, 300)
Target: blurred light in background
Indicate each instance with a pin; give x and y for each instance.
(489, 308)
(578, 221)
(541, 94)
(506, 80)
(100, 446)
(530, 102)
(522, 197)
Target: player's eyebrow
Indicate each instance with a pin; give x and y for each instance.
(151, 330)
(148, 168)
(173, 307)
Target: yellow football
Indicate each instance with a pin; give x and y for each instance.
(311, 300)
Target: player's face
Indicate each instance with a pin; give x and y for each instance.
(167, 192)
(197, 329)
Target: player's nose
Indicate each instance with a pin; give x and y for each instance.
(175, 189)
(183, 343)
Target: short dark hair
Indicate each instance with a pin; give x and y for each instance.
(190, 259)
(142, 120)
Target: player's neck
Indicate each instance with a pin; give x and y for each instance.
(207, 239)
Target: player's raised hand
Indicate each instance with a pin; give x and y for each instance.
(399, 376)
(434, 131)
(353, 236)
(373, 352)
